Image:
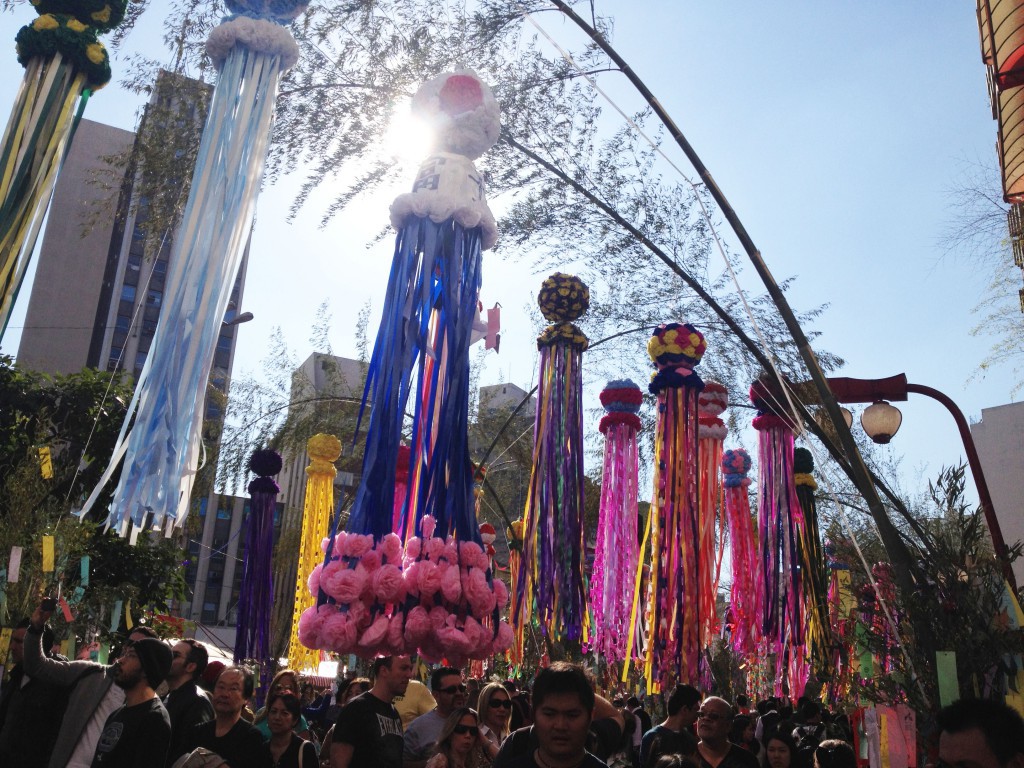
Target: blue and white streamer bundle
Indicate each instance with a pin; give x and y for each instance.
(162, 449)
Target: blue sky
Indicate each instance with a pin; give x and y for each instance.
(836, 131)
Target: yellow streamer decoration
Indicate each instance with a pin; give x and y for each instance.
(47, 554)
(45, 463)
(128, 616)
(323, 451)
(33, 147)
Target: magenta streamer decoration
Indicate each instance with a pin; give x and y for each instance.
(616, 548)
(747, 587)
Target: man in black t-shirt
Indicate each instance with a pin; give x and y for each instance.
(369, 731)
(137, 734)
(228, 735)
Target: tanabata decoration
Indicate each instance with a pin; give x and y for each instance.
(552, 586)
(161, 451)
(64, 64)
(317, 512)
(711, 402)
(514, 534)
(382, 588)
(744, 608)
(673, 612)
(616, 549)
(780, 521)
(255, 597)
(812, 567)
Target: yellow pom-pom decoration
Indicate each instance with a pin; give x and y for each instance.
(45, 22)
(676, 344)
(102, 16)
(76, 26)
(96, 53)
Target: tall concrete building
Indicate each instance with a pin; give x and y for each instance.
(96, 301)
(999, 438)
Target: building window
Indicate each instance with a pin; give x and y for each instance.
(128, 293)
(153, 297)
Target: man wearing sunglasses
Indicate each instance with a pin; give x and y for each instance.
(714, 723)
(449, 692)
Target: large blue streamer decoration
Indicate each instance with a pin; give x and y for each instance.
(382, 588)
(251, 49)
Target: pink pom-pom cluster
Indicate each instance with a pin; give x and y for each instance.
(430, 596)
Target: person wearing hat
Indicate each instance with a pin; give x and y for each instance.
(137, 734)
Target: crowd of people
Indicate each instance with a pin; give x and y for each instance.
(161, 705)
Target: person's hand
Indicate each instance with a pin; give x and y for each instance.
(42, 614)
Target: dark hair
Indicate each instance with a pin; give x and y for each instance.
(1001, 726)
(675, 761)
(48, 636)
(290, 701)
(739, 725)
(142, 629)
(786, 739)
(834, 753)
(381, 662)
(563, 677)
(809, 709)
(437, 674)
(632, 702)
(198, 655)
(344, 687)
(248, 678)
(683, 696)
(742, 700)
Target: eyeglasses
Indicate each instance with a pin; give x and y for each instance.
(453, 689)
(711, 717)
(462, 730)
(503, 703)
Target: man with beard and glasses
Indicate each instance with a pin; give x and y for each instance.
(137, 734)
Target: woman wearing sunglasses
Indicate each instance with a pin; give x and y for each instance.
(460, 744)
(495, 713)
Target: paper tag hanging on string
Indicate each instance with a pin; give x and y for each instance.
(949, 687)
(69, 617)
(128, 615)
(67, 648)
(45, 463)
(77, 596)
(47, 554)
(14, 565)
(5, 641)
(85, 570)
(115, 616)
(104, 653)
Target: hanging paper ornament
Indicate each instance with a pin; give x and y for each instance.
(323, 451)
(812, 567)
(514, 534)
(551, 588)
(711, 402)
(162, 449)
(616, 548)
(746, 584)
(64, 63)
(386, 589)
(256, 593)
(780, 521)
(673, 618)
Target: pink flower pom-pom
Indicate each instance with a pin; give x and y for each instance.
(451, 551)
(429, 580)
(372, 639)
(388, 584)
(311, 625)
(325, 544)
(478, 593)
(390, 547)
(417, 627)
(313, 582)
(451, 584)
(500, 594)
(453, 640)
(395, 638)
(434, 548)
(503, 641)
(340, 544)
(359, 545)
(411, 576)
(329, 576)
(431, 650)
(370, 560)
(339, 634)
(412, 548)
(478, 637)
(438, 617)
(347, 586)
(470, 554)
(359, 614)
(427, 526)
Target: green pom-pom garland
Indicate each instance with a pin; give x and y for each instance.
(102, 15)
(60, 33)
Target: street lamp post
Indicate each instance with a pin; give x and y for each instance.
(881, 424)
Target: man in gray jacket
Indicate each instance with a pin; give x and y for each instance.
(91, 700)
